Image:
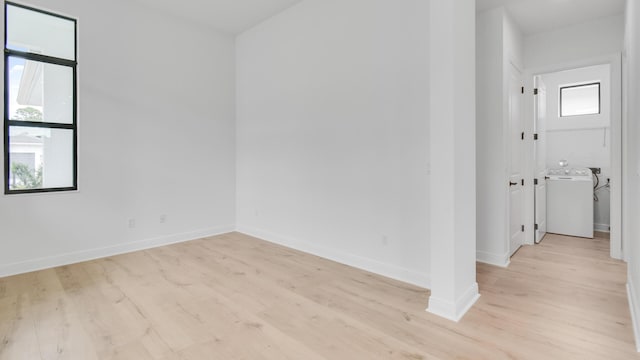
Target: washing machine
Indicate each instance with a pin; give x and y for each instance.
(570, 202)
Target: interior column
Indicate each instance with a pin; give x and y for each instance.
(453, 191)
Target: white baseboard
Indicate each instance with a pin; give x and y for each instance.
(502, 261)
(454, 311)
(635, 310)
(374, 266)
(602, 228)
(87, 255)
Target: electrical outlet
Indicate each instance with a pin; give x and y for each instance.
(163, 219)
(132, 223)
(385, 240)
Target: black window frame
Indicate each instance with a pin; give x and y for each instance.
(73, 64)
(583, 85)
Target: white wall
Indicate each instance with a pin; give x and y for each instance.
(632, 188)
(156, 137)
(499, 44)
(491, 220)
(575, 43)
(332, 124)
(584, 141)
(513, 39)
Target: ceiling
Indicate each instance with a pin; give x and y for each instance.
(534, 16)
(231, 16)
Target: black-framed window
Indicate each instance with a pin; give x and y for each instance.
(40, 101)
(583, 99)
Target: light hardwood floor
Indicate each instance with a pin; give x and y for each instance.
(236, 297)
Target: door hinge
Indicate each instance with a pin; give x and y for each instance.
(535, 137)
(522, 182)
(535, 91)
(523, 89)
(536, 227)
(522, 228)
(535, 181)
(522, 136)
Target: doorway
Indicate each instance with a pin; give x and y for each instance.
(591, 139)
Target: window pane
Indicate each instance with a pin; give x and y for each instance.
(39, 33)
(40, 158)
(40, 91)
(580, 100)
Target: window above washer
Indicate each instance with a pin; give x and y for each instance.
(577, 100)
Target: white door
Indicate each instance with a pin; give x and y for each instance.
(540, 117)
(516, 168)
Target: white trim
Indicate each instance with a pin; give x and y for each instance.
(454, 311)
(87, 255)
(356, 261)
(605, 228)
(635, 311)
(528, 113)
(493, 259)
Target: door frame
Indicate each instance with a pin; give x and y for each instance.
(540, 229)
(617, 141)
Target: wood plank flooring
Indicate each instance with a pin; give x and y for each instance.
(237, 297)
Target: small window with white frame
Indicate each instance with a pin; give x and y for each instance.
(40, 108)
(577, 100)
